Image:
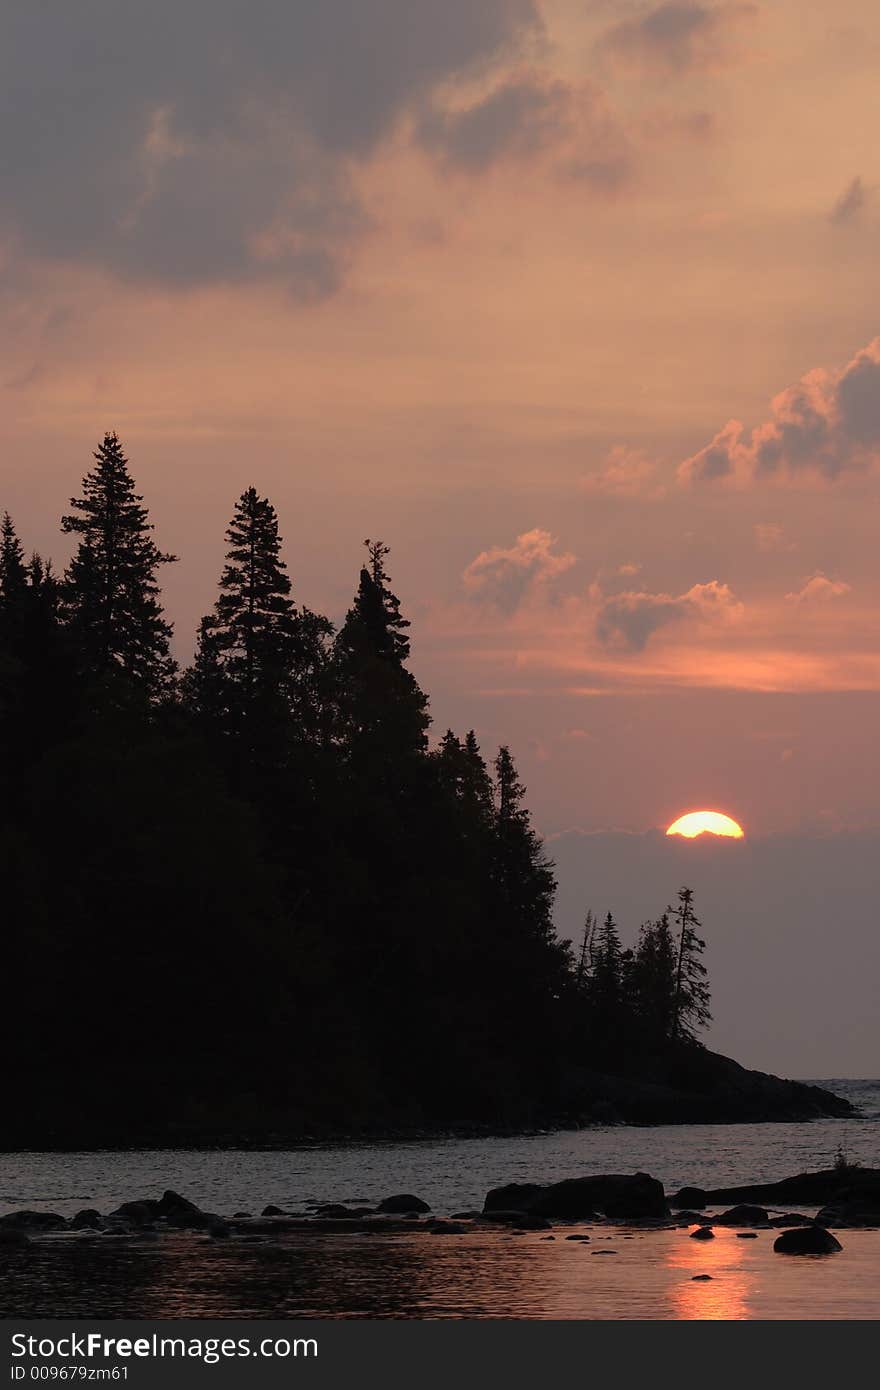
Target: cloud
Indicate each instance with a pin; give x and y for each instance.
(850, 202)
(677, 38)
(624, 473)
(819, 589)
(827, 424)
(205, 142)
(519, 118)
(770, 537)
(505, 578)
(629, 620)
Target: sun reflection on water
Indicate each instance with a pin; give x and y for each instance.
(726, 1296)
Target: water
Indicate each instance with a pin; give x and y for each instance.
(478, 1274)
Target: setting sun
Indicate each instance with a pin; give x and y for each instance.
(705, 822)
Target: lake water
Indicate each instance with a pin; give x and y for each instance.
(478, 1274)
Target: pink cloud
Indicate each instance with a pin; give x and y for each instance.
(505, 578)
(820, 589)
(826, 425)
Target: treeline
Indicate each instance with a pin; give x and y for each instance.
(248, 896)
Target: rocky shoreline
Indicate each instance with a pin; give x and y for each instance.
(849, 1198)
(702, 1087)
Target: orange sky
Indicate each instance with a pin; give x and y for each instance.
(492, 289)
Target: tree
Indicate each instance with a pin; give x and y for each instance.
(13, 571)
(110, 594)
(383, 713)
(606, 981)
(587, 953)
(245, 652)
(691, 996)
(653, 982)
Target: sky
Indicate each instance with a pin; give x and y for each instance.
(576, 306)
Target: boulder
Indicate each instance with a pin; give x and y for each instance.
(181, 1212)
(36, 1221)
(813, 1189)
(87, 1220)
(851, 1211)
(271, 1210)
(401, 1203)
(700, 1278)
(12, 1239)
(688, 1197)
(619, 1196)
(742, 1215)
(747, 1235)
(142, 1213)
(703, 1233)
(806, 1240)
(791, 1218)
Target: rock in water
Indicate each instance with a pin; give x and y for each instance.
(807, 1240)
(703, 1233)
(851, 1211)
(32, 1221)
(689, 1197)
(743, 1216)
(402, 1204)
(620, 1196)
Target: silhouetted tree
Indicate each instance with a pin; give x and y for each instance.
(383, 712)
(13, 572)
(690, 1005)
(653, 982)
(111, 594)
(245, 654)
(586, 955)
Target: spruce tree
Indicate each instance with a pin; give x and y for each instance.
(654, 982)
(13, 571)
(111, 594)
(383, 713)
(690, 1005)
(246, 645)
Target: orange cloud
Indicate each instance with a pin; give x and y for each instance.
(629, 620)
(819, 589)
(826, 425)
(504, 578)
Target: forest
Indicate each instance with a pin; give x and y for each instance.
(254, 897)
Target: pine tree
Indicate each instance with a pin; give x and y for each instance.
(13, 571)
(690, 1006)
(111, 595)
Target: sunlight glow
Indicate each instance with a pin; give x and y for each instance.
(705, 822)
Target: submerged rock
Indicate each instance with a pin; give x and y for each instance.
(807, 1240)
(703, 1233)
